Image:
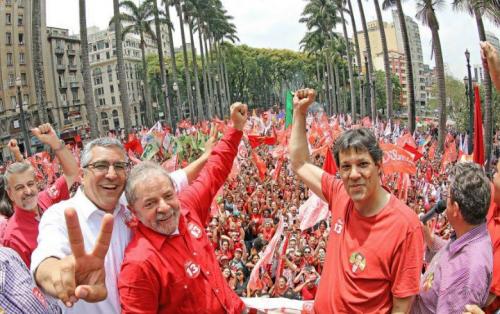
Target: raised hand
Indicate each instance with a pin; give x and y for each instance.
(212, 140)
(239, 115)
(491, 61)
(46, 134)
(303, 98)
(14, 150)
(82, 275)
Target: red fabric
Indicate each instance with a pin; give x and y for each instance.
(261, 166)
(256, 140)
(330, 166)
(134, 145)
(416, 154)
(478, 129)
(153, 280)
(21, 231)
(309, 294)
(493, 224)
(391, 245)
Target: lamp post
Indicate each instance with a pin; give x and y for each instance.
(143, 106)
(175, 87)
(27, 145)
(471, 101)
(367, 89)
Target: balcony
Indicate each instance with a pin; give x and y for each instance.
(63, 85)
(59, 50)
(71, 52)
(74, 84)
(61, 67)
(73, 67)
(76, 102)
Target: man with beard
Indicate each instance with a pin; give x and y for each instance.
(375, 246)
(29, 203)
(169, 266)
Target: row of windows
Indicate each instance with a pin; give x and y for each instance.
(12, 79)
(8, 38)
(13, 102)
(8, 19)
(10, 59)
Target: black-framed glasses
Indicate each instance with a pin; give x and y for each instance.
(103, 166)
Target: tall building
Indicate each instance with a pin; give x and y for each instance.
(493, 39)
(16, 61)
(417, 57)
(397, 63)
(477, 74)
(65, 86)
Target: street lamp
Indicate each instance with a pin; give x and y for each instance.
(143, 107)
(469, 91)
(367, 88)
(24, 129)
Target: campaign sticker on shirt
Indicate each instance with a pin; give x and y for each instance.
(429, 280)
(195, 230)
(40, 297)
(358, 262)
(192, 269)
(53, 192)
(339, 225)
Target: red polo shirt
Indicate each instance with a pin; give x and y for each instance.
(21, 231)
(179, 273)
(493, 224)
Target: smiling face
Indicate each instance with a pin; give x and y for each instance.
(23, 190)
(156, 204)
(360, 174)
(104, 188)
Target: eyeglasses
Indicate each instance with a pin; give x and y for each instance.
(103, 166)
(307, 252)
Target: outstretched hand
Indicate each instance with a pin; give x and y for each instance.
(82, 275)
(303, 98)
(13, 147)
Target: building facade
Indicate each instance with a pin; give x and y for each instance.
(493, 39)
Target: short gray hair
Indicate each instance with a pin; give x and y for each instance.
(86, 156)
(16, 168)
(139, 173)
(470, 188)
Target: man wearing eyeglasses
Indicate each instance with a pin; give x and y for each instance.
(94, 217)
(29, 203)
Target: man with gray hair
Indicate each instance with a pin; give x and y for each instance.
(29, 203)
(94, 217)
(460, 272)
(170, 266)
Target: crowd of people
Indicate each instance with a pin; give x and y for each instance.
(247, 208)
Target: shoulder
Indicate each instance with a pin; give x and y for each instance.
(402, 214)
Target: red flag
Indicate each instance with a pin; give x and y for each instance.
(277, 171)
(366, 122)
(330, 166)
(281, 264)
(256, 140)
(478, 130)
(416, 154)
(261, 166)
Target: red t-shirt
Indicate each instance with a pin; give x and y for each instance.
(21, 231)
(493, 224)
(370, 259)
(308, 294)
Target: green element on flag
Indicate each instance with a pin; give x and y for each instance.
(288, 109)
(150, 150)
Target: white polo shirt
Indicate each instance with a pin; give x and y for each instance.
(53, 241)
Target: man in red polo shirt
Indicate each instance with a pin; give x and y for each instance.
(170, 266)
(29, 203)
(375, 247)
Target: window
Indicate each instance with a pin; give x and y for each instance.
(110, 76)
(8, 38)
(21, 38)
(23, 79)
(20, 20)
(98, 56)
(1, 105)
(8, 18)
(111, 88)
(74, 93)
(107, 55)
(21, 58)
(98, 80)
(9, 59)
(12, 79)
(102, 102)
(13, 102)
(113, 100)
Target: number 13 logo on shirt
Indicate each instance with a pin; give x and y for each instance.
(192, 269)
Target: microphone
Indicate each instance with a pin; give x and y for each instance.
(438, 208)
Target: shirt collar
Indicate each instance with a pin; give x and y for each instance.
(23, 213)
(157, 239)
(457, 244)
(88, 208)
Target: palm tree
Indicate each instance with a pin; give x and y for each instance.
(122, 79)
(139, 21)
(478, 8)
(387, 68)
(426, 13)
(410, 87)
(178, 7)
(369, 70)
(177, 101)
(163, 76)
(87, 81)
(36, 31)
(358, 58)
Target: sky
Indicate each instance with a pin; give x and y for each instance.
(274, 24)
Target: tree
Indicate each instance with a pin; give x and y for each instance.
(122, 79)
(36, 31)
(358, 58)
(410, 86)
(138, 19)
(87, 81)
(477, 8)
(426, 13)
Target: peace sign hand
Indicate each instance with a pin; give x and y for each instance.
(82, 275)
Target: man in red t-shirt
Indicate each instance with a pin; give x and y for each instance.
(29, 204)
(375, 247)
